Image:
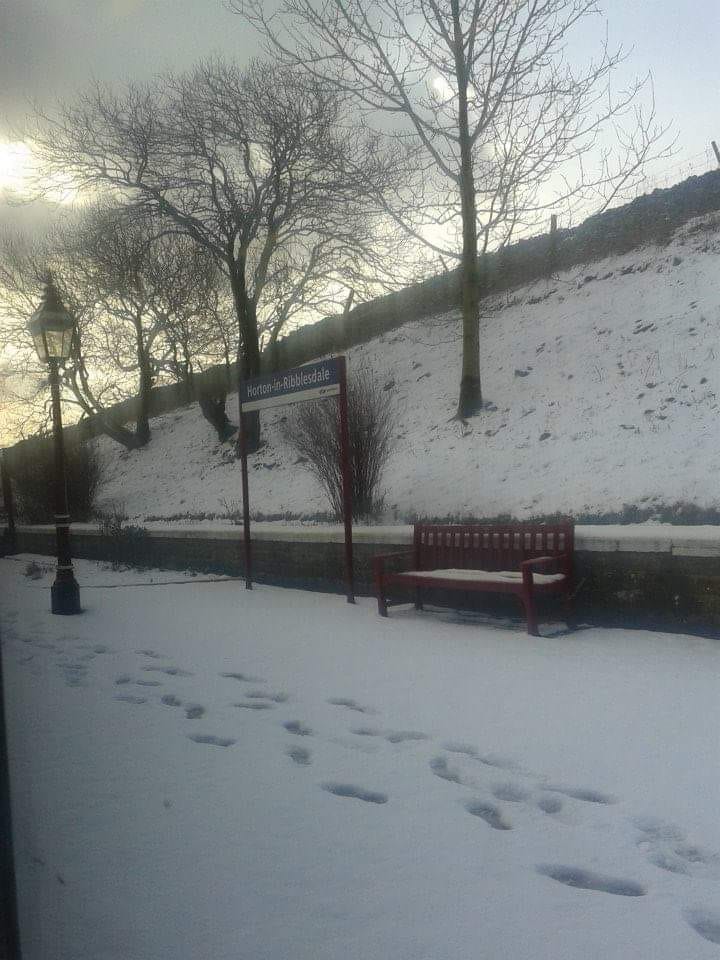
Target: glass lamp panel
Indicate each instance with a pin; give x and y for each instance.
(62, 342)
(39, 341)
(69, 341)
(56, 343)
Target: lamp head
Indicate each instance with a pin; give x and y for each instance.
(52, 326)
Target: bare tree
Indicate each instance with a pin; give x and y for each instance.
(144, 301)
(480, 93)
(258, 166)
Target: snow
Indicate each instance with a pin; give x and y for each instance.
(491, 576)
(308, 780)
(603, 391)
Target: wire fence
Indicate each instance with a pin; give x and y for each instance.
(674, 171)
(678, 170)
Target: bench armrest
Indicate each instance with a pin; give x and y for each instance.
(378, 563)
(526, 567)
(539, 562)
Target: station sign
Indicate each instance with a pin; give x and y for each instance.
(313, 381)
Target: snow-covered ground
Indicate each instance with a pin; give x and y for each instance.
(603, 390)
(203, 772)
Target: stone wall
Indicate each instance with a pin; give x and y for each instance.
(621, 585)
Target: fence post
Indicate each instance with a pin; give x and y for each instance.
(717, 152)
(552, 246)
(7, 495)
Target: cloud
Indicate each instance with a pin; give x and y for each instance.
(32, 58)
(120, 9)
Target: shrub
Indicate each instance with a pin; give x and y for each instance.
(34, 480)
(36, 571)
(312, 431)
(124, 544)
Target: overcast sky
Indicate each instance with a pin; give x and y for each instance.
(51, 48)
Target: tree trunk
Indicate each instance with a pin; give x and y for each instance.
(121, 435)
(212, 407)
(248, 358)
(143, 416)
(470, 400)
(126, 438)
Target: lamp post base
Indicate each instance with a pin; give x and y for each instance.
(65, 594)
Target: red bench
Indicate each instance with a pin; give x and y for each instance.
(529, 560)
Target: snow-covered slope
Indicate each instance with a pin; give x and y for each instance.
(601, 386)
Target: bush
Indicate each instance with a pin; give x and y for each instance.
(33, 476)
(124, 544)
(312, 431)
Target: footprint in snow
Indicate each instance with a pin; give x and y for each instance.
(74, 674)
(243, 677)
(193, 711)
(123, 678)
(489, 759)
(704, 922)
(511, 792)
(170, 700)
(170, 671)
(299, 755)
(666, 847)
(129, 698)
(261, 695)
(150, 653)
(255, 705)
(392, 736)
(298, 728)
(403, 736)
(353, 743)
(353, 792)
(440, 768)
(489, 813)
(146, 683)
(350, 704)
(550, 804)
(464, 749)
(580, 793)
(211, 740)
(587, 880)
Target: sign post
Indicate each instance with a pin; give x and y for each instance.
(246, 500)
(321, 380)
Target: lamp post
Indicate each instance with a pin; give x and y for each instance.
(52, 329)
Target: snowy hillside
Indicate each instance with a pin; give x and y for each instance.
(601, 387)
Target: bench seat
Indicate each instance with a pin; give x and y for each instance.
(481, 576)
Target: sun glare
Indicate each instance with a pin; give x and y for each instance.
(442, 89)
(16, 163)
(18, 169)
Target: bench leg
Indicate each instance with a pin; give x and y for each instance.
(568, 607)
(418, 599)
(528, 602)
(380, 593)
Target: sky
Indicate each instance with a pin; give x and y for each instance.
(53, 48)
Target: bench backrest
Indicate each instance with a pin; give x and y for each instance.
(481, 546)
